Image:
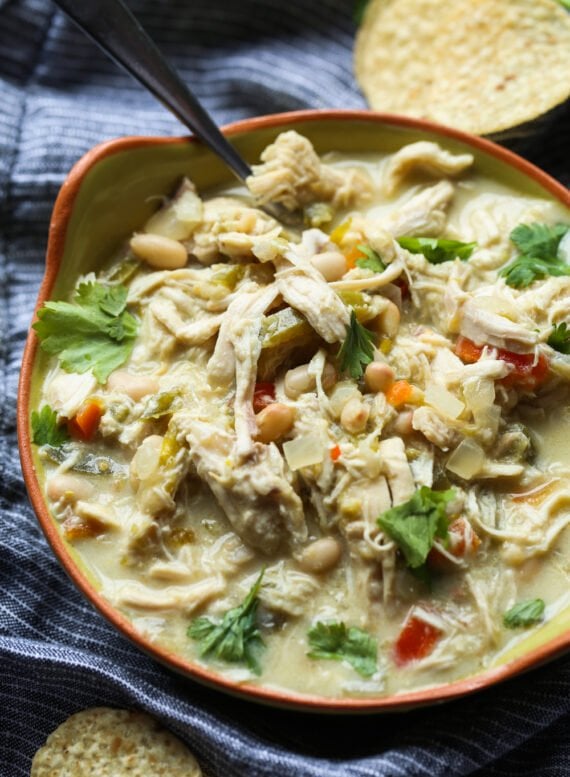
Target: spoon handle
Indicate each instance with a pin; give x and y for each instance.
(113, 27)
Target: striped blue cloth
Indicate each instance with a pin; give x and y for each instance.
(58, 97)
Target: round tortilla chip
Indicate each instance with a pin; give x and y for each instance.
(113, 743)
(480, 65)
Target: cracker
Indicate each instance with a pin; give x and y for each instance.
(113, 743)
(480, 65)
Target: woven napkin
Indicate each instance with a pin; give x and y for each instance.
(58, 97)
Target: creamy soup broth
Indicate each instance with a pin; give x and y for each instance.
(250, 431)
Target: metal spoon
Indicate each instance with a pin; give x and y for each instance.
(113, 27)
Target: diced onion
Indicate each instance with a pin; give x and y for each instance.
(466, 460)
(443, 400)
(146, 460)
(304, 451)
(488, 418)
(340, 395)
(188, 208)
(479, 394)
(178, 220)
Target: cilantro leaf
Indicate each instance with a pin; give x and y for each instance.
(336, 642)
(372, 260)
(437, 250)
(358, 348)
(45, 429)
(110, 299)
(524, 270)
(538, 240)
(415, 524)
(538, 244)
(559, 338)
(236, 639)
(524, 614)
(95, 332)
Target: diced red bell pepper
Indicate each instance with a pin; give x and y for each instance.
(416, 640)
(527, 372)
(335, 453)
(86, 421)
(463, 542)
(263, 395)
(468, 352)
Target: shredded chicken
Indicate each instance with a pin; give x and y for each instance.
(483, 326)
(426, 157)
(293, 175)
(424, 214)
(256, 495)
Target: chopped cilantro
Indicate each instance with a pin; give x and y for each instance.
(358, 348)
(524, 614)
(236, 639)
(538, 240)
(336, 642)
(538, 246)
(415, 524)
(45, 429)
(559, 338)
(437, 250)
(95, 332)
(371, 261)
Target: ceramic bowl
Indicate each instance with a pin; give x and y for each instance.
(106, 196)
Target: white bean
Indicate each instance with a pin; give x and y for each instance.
(274, 421)
(135, 386)
(329, 376)
(69, 488)
(378, 376)
(354, 416)
(331, 265)
(159, 252)
(298, 381)
(321, 555)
